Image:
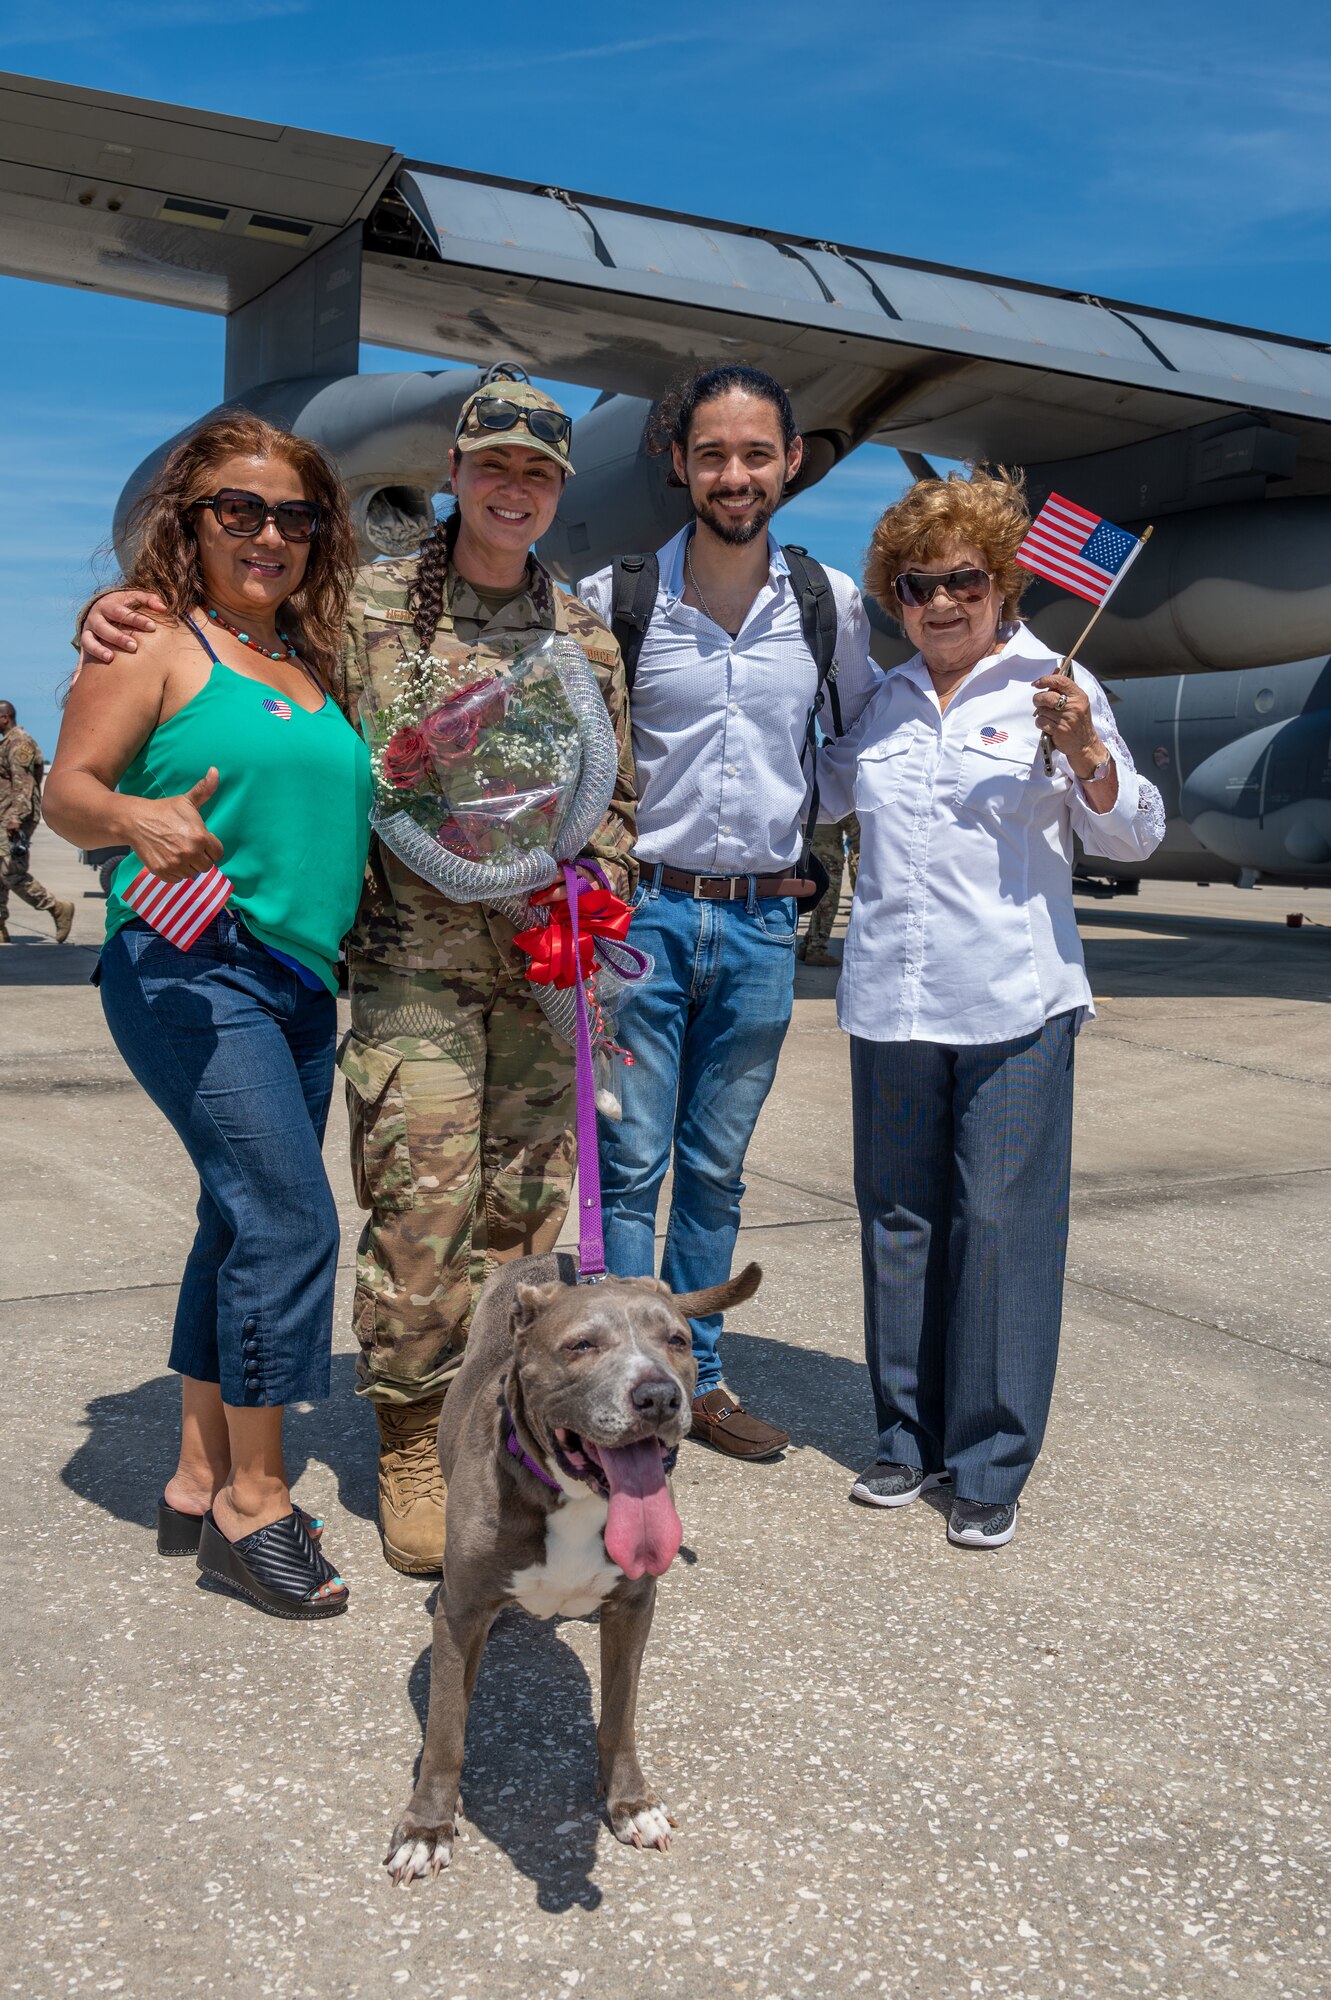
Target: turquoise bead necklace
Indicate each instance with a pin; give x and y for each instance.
(253, 644)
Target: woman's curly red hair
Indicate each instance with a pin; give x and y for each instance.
(985, 507)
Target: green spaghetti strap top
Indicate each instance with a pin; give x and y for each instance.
(291, 809)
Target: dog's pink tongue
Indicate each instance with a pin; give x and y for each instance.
(642, 1529)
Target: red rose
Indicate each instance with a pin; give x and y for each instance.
(453, 837)
(452, 728)
(406, 759)
(490, 712)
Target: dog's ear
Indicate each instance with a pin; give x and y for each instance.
(528, 1301)
(719, 1298)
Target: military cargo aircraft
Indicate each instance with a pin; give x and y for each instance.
(309, 244)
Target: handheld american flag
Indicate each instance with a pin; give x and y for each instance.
(1078, 550)
(181, 911)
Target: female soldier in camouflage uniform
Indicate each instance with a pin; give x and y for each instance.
(460, 1093)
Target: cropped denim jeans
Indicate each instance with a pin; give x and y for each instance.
(705, 1031)
(238, 1054)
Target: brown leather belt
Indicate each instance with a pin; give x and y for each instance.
(726, 888)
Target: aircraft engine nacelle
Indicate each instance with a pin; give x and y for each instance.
(1264, 801)
(390, 436)
(620, 501)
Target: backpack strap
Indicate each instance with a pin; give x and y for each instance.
(818, 617)
(634, 584)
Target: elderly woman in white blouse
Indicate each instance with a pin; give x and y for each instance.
(962, 990)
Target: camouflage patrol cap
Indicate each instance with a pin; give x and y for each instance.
(472, 435)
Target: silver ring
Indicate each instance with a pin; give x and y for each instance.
(1060, 704)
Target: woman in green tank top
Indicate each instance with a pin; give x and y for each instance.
(214, 750)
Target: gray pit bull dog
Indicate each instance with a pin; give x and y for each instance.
(556, 1442)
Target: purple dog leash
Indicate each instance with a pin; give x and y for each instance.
(591, 1238)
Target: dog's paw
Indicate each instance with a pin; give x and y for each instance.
(415, 1851)
(644, 1824)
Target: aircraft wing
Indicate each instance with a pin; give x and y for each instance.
(156, 202)
(189, 208)
(937, 359)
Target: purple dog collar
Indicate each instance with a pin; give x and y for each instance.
(515, 1450)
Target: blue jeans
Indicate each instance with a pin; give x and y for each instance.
(962, 1164)
(705, 1030)
(238, 1055)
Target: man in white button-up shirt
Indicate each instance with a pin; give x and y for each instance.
(720, 707)
(962, 989)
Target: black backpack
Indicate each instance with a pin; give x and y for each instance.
(636, 580)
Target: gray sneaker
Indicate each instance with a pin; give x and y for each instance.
(980, 1524)
(889, 1485)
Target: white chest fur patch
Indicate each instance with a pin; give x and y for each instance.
(576, 1574)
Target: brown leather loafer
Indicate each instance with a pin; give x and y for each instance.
(718, 1420)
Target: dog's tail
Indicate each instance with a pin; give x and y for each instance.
(720, 1298)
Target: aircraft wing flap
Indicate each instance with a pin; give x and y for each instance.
(715, 272)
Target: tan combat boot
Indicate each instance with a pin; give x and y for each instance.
(64, 920)
(411, 1486)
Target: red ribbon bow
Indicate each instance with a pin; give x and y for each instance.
(550, 946)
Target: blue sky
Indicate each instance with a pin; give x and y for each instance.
(1171, 154)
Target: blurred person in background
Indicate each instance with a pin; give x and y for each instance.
(20, 813)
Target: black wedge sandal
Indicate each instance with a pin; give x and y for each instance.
(277, 1567)
(178, 1534)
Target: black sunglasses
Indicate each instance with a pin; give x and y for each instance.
(964, 586)
(497, 413)
(240, 514)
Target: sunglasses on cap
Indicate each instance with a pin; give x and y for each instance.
(497, 413)
(240, 514)
(964, 586)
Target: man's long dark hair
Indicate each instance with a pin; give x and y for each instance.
(672, 417)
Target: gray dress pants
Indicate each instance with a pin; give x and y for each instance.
(962, 1166)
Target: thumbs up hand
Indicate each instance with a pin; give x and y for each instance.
(169, 836)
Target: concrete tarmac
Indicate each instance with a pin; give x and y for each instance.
(1093, 1764)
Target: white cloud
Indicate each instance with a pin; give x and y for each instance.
(98, 23)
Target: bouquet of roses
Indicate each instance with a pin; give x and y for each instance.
(483, 774)
(487, 778)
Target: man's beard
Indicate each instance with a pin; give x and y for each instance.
(738, 534)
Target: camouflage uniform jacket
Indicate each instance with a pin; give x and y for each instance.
(402, 921)
(20, 778)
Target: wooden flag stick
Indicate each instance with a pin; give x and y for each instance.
(1065, 664)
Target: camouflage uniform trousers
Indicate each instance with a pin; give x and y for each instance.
(836, 847)
(16, 877)
(461, 1104)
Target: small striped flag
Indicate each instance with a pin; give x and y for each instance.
(179, 910)
(276, 706)
(1077, 549)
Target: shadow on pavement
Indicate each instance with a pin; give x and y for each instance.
(1196, 958)
(529, 1778)
(823, 1400)
(38, 962)
(130, 1449)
